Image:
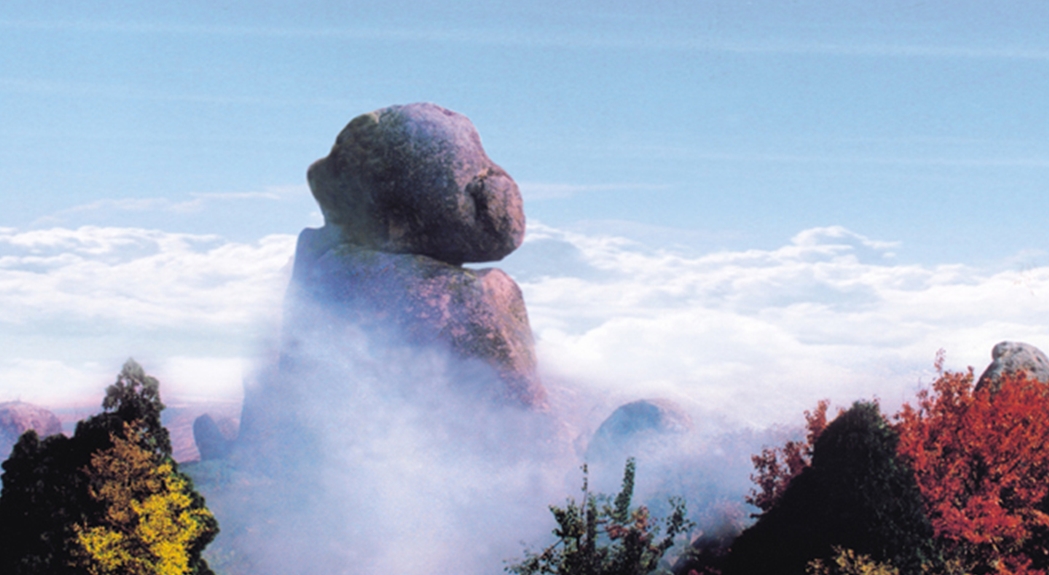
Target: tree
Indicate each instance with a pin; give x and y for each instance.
(135, 398)
(848, 562)
(856, 494)
(602, 537)
(52, 487)
(43, 496)
(152, 522)
(777, 466)
(982, 463)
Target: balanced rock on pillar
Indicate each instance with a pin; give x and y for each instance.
(408, 195)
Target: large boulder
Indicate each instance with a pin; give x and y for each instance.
(415, 179)
(477, 315)
(1014, 357)
(17, 417)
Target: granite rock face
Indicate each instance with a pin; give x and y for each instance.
(477, 315)
(378, 297)
(1012, 357)
(415, 179)
(17, 417)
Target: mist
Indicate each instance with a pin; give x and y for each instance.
(404, 467)
(363, 453)
(388, 459)
(360, 453)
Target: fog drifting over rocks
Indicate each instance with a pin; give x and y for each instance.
(751, 336)
(740, 340)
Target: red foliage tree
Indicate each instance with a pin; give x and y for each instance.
(776, 466)
(981, 459)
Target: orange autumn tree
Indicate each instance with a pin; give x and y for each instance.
(981, 459)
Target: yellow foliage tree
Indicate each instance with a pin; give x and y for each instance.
(848, 562)
(152, 524)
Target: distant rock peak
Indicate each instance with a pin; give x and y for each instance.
(1014, 357)
(17, 417)
(634, 427)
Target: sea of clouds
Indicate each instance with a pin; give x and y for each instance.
(405, 481)
(751, 337)
(757, 336)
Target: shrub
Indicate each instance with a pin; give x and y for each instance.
(605, 537)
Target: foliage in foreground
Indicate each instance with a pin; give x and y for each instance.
(982, 462)
(848, 562)
(153, 522)
(979, 459)
(109, 500)
(856, 494)
(603, 537)
(776, 466)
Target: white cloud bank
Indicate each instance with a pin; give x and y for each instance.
(136, 276)
(758, 336)
(77, 302)
(753, 336)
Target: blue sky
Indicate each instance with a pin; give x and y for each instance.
(866, 156)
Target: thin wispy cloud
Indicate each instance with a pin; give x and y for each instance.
(877, 50)
(991, 160)
(577, 39)
(197, 202)
(67, 88)
(553, 191)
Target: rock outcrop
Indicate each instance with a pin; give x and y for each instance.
(399, 374)
(1013, 357)
(214, 440)
(414, 179)
(408, 195)
(478, 315)
(638, 426)
(17, 417)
